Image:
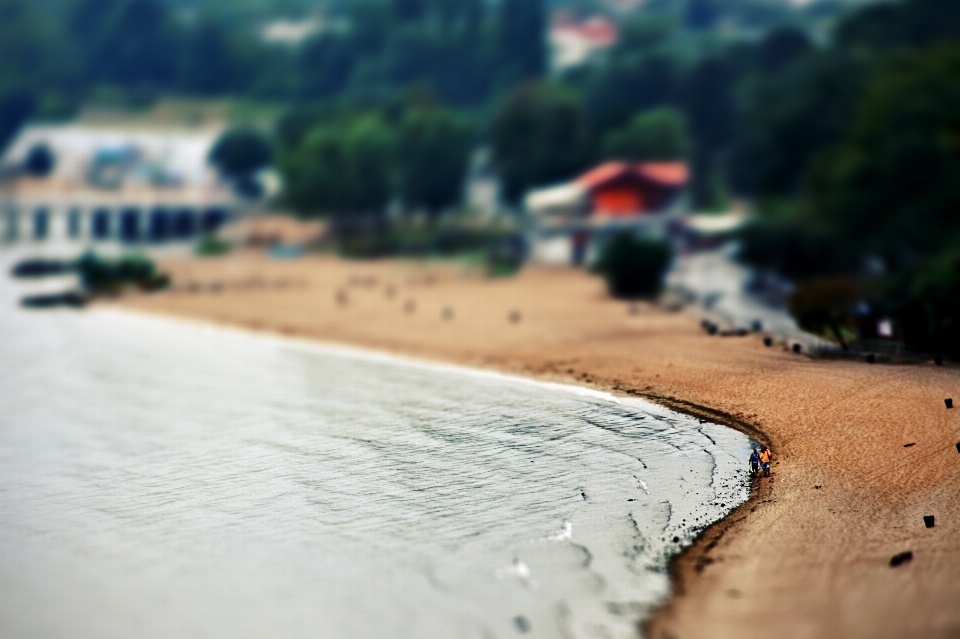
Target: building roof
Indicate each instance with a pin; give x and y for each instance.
(123, 163)
(671, 174)
(562, 196)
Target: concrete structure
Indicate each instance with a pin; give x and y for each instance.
(113, 186)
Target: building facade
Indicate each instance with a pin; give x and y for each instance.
(110, 186)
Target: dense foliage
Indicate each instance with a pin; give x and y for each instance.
(634, 268)
(845, 134)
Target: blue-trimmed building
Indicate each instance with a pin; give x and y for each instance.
(113, 186)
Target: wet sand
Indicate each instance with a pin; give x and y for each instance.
(807, 556)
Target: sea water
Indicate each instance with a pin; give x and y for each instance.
(166, 479)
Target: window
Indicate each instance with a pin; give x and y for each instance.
(159, 229)
(73, 223)
(101, 224)
(184, 224)
(130, 225)
(213, 219)
(41, 224)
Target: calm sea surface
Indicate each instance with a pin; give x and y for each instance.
(166, 479)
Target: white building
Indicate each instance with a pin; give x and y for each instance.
(574, 41)
(113, 186)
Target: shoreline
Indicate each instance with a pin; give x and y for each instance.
(815, 561)
(681, 563)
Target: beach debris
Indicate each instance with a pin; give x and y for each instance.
(768, 341)
(949, 402)
(928, 521)
(901, 558)
(514, 317)
(910, 444)
(448, 313)
(563, 535)
(409, 306)
(797, 348)
(709, 327)
(735, 332)
(871, 358)
(522, 624)
(642, 485)
(938, 360)
(518, 570)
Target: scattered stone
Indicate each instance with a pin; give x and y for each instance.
(342, 297)
(676, 540)
(910, 444)
(928, 521)
(409, 306)
(634, 309)
(733, 593)
(391, 292)
(514, 317)
(448, 313)
(958, 447)
(871, 358)
(735, 332)
(768, 341)
(901, 558)
(522, 624)
(949, 402)
(797, 348)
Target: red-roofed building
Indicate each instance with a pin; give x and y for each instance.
(606, 198)
(619, 189)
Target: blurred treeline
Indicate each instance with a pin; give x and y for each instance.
(838, 120)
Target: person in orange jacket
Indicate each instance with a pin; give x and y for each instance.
(765, 457)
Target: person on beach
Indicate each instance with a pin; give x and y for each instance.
(765, 457)
(755, 461)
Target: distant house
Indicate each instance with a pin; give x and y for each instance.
(610, 197)
(574, 41)
(113, 185)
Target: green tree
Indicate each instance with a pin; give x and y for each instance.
(652, 136)
(539, 136)
(241, 152)
(892, 187)
(790, 117)
(634, 268)
(522, 39)
(434, 149)
(128, 42)
(325, 64)
(342, 168)
(208, 65)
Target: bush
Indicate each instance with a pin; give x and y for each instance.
(825, 304)
(212, 246)
(100, 276)
(634, 268)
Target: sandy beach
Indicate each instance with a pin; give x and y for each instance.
(862, 452)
